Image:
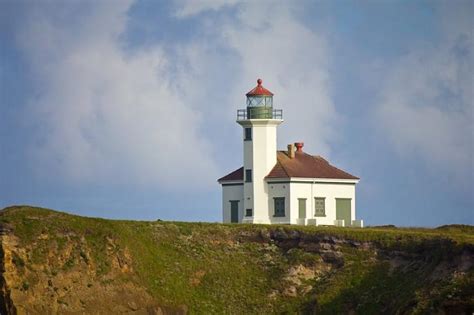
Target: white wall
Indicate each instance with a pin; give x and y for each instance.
(292, 192)
(330, 191)
(279, 190)
(232, 193)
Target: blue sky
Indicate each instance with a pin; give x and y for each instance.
(126, 109)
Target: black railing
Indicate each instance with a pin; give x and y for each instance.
(259, 113)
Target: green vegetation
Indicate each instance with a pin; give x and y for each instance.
(220, 268)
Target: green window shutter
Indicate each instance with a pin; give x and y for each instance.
(302, 208)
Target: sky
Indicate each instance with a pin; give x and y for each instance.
(126, 109)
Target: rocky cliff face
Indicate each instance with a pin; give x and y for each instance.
(67, 284)
(55, 263)
(6, 303)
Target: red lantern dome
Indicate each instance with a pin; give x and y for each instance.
(259, 90)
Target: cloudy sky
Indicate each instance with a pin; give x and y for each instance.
(126, 109)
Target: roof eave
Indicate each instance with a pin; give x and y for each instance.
(230, 181)
(311, 179)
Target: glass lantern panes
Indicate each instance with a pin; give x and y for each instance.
(268, 101)
(259, 101)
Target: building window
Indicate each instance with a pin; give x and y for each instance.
(248, 134)
(319, 207)
(248, 176)
(248, 212)
(279, 206)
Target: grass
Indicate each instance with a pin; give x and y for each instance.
(215, 268)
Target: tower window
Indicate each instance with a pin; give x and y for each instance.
(248, 212)
(248, 176)
(248, 134)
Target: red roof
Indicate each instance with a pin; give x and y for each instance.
(305, 166)
(302, 165)
(236, 175)
(259, 90)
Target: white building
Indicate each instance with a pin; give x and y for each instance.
(283, 187)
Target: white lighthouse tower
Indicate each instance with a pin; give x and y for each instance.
(259, 122)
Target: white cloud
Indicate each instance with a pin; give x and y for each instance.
(106, 115)
(190, 8)
(147, 117)
(427, 102)
(268, 40)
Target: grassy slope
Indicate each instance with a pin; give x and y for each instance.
(214, 268)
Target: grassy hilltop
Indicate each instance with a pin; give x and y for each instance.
(53, 262)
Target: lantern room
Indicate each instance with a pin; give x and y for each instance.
(259, 96)
(259, 105)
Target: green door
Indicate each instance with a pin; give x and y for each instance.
(343, 210)
(234, 211)
(302, 208)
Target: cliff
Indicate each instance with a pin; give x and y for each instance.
(53, 262)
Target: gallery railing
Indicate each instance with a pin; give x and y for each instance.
(259, 113)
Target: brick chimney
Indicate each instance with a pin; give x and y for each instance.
(299, 146)
(291, 151)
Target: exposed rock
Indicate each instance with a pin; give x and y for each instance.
(294, 234)
(265, 235)
(298, 277)
(273, 294)
(309, 247)
(290, 291)
(154, 310)
(466, 261)
(300, 272)
(6, 303)
(132, 305)
(334, 258)
(278, 234)
(288, 244)
(68, 292)
(306, 289)
(326, 246)
(330, 239)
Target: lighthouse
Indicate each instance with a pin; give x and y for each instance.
(259, 123)
(283, 187)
